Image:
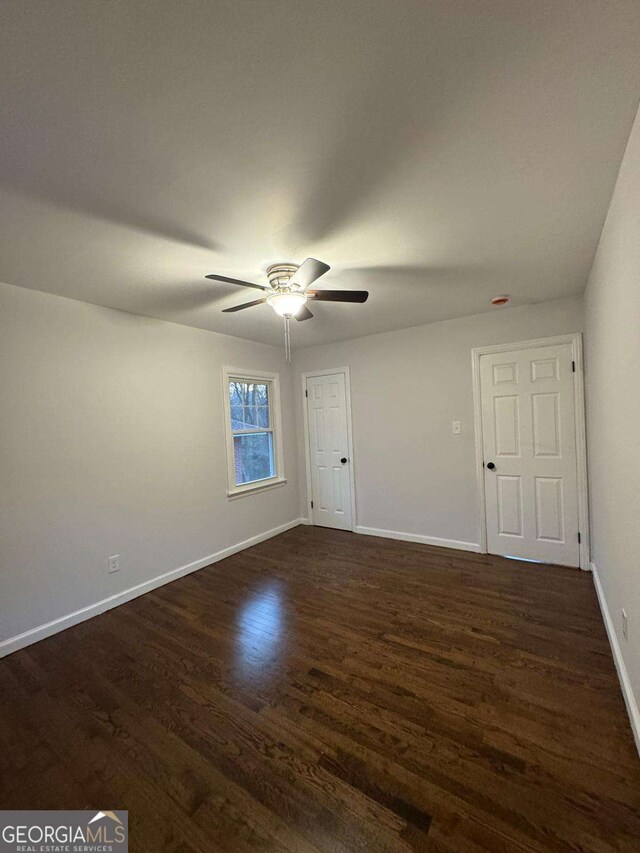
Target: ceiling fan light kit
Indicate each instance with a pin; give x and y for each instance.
(287, 292)
(286, 303)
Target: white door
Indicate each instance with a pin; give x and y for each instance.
(328, 451)
(530, 462)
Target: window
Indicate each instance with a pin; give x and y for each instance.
(252, 416)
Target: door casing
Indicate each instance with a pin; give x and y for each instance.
(575, 339)
(307, 455)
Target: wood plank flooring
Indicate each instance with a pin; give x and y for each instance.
(325, 691)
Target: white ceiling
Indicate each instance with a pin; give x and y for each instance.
(453, 150)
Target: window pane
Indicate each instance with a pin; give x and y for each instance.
(250, 419)
(263, 416)
(253, 456)
(260, 395)
(237, 421)
(236, 395)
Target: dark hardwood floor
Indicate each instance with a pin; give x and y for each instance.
(325, 691)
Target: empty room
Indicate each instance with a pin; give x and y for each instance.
(319, 426)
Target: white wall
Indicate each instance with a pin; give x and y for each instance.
(412, 474)
(612, 308)
(113, 443)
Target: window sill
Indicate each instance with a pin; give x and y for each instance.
(253, 489)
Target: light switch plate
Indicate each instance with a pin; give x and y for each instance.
(457, 427)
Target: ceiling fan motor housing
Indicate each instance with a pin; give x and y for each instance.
(280, 274)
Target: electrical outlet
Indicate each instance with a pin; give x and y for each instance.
(625, 625)
(456, 427)
(113, 564)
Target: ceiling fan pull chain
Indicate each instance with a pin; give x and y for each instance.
(287, 338)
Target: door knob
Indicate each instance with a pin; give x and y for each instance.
(344, 459)
(490, 466)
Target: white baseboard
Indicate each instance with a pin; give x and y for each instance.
(34, 635)
(623, 676)
(423, 540)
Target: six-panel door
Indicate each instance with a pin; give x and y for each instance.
(529, 435)
(328, 446)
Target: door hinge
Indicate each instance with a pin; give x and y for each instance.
(579, 538)
(311, 504)
(306, 393)
(573, 366)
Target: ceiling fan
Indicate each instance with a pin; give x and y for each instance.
(287, 292)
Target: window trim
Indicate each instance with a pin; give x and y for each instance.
(279, 479)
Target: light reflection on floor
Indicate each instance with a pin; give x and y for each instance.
(261, 630)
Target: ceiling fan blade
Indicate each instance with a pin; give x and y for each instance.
(303, 314)
(244, 305)
(228, 280)
(338, 295)
(308, 272)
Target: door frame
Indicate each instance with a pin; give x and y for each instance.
(575, 339)
(307, 452)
